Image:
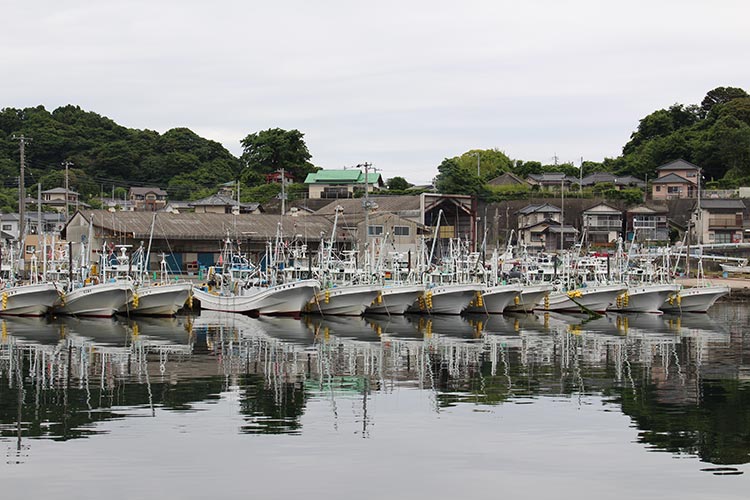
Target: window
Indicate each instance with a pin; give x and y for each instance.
(375, 230)
(674, 189)
(7, 227)
(30, 249)
(722, 237)
(401, 230)
(658, 188)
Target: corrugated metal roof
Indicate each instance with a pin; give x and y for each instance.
(207, 226)
(394, 204)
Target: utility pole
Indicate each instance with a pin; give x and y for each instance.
(477, 154)
(67, 164)
(366, 203)
(283, 190)
(22, 190)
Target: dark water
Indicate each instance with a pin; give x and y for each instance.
(226, 406)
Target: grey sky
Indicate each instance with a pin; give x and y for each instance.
(401, 84)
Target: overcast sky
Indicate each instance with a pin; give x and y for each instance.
(401, 84)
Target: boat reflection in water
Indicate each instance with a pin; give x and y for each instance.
(78, 372)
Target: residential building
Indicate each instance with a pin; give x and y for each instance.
(533, 214)
(275, 177)
(619, 182)
(335, 184)
(221, 204)
(676, 179)
(603, 224)
(718, 221)
(149, 199)
(545, 236)
(388, 233)
(55, 198)
(551, 181)
(647, 224)
(508, 179)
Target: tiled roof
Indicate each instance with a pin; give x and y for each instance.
(671, 179)
(678, 165)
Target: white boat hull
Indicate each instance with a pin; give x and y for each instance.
(495, 299)
(344, 300)
(28, 300)
(158, 300)
(103, 300)
(531, 296)
(594, 298)
(446, 299)
(395, 300)
(644, 299)
(698, 299)
(285, 299)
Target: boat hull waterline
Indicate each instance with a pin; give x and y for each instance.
(595, 298)
(395, 300)
(344, 300)
(28, 300)
(284, 299)
(102, 300)
(159, 300)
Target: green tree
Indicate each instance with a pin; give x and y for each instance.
(455, 178)
(269, 150)
(720, 95)
(398, 184)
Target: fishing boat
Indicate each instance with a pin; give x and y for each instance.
(28, 300)
(696, 299)
(395, 299)
(595, 298)
(163, 297)
(644, 298)
(96, 299)
(531, 297)
(495, 299)
(446, 299)
(242, 287)
(699, 298)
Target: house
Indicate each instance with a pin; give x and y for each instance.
(149, 199)
(718, 221)
(508, 179)
(646, 223)
(177, 206)
(335, 184)
(618, 181)
(545, 236)
(275, 177)
(533, 214)
(540, 228)
(551, 181)
(55, 198)
(603, 224)
(221, 204)
(676, 179)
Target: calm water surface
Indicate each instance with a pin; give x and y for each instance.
(226, 406)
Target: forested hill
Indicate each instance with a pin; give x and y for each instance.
(714, 135)
(104, 153)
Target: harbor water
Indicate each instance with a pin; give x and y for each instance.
(221, 405)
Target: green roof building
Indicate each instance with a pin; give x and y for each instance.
(340, 183)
